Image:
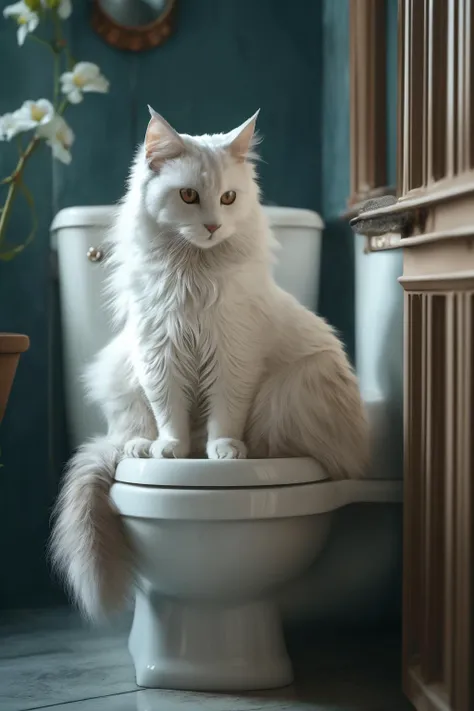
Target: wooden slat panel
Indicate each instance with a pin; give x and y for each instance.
(433, 500)
(469, 116)
(459, 109)
(413, 489)
(416, 82)
(426, 80)
(436, 90)
(451, 125)
(462, 630)
(465, 128)
(449, 491)
(405, 98)
(368, 99)
(401, 104)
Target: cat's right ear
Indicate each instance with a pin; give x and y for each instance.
(162, 142)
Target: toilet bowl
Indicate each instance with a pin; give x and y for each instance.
(214, 543)
(225, 548)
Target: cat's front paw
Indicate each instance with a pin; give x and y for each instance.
(226, 448)
(167, 448)
(137, 448)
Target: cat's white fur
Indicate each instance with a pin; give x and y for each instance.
(211, 356)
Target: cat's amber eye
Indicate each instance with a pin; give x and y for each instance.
(189, 196)
(228, 198)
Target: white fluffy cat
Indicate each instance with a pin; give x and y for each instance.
(211, 356)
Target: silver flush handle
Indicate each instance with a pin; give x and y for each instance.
(95, 254)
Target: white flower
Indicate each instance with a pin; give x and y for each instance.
(59, 137)
(26, 18)
(84, 77)
(64, 7)
(9, 127)
(33, 114)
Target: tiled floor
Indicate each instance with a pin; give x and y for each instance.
(50, 660)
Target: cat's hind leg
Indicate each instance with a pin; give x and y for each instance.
(114, 387)
(312, 407)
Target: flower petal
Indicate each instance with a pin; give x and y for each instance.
(61, 153)
(48, 109)
(11, 125)
(65, 9)
(100, 85)
(33, 22)
(18, 8)
(25, 116)
(21, 34)
(66, 77)
(87, 71)
(7, 127)
(74, 96)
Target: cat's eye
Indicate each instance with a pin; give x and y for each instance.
(228, 197)
(189, 196)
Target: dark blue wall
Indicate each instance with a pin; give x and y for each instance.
(225, 60)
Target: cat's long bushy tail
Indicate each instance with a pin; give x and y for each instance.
(88, 546)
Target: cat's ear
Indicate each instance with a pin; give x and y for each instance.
(162, 142)
(243, 139)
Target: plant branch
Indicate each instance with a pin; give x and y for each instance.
(56, 80)
(43, 42)
(7, 255)
(13, 182)
(63, 106)
(60, 42)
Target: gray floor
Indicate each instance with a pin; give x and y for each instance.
(50, 660)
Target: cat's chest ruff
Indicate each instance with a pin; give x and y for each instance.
(188, 314)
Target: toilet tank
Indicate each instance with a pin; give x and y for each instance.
(77, 232)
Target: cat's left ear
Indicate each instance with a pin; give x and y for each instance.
(162, 142)
(241, 140)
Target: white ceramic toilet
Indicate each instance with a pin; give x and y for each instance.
(216, 542)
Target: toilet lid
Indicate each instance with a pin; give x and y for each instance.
(217, 474)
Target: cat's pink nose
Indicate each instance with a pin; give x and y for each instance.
(211, 228)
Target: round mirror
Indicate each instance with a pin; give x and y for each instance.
(135, 25)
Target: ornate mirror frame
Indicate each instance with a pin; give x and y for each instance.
(134, 39)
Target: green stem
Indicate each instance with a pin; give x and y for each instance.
(60, 46)
(13, 182)
(56, 80)
(60, 41)
(43, 42)
(63, 106)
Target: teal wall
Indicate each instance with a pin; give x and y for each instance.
(225, 60)
(338, 273)
(337, 267)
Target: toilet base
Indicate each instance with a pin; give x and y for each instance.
(201, 647)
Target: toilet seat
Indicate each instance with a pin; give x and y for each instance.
(220, 473)
(204, 490)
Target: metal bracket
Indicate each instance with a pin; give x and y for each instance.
(404, 223)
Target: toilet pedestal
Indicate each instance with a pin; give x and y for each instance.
(208, 647)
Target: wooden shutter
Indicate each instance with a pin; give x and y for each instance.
(435, 213)
(436, 174)
(368, 100)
